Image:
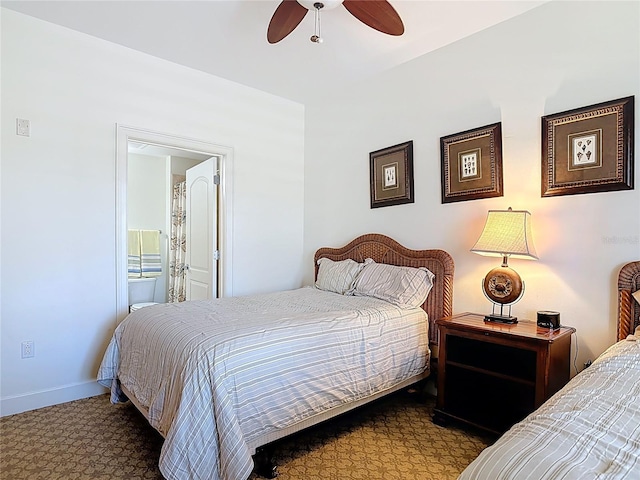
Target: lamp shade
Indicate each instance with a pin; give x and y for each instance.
(507, 233)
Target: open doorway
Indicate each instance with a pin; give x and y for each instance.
(149, 165)
(163, 208)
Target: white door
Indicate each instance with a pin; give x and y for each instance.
(202, 234)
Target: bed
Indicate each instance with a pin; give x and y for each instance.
(590, 429)
(220, 379)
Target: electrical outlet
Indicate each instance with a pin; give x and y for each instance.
(28, 349)
(23, 127)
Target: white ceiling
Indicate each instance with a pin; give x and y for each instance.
(227, 38)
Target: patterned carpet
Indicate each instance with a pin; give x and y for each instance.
(91, 439)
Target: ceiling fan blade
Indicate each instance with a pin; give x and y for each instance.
(285, 19)
(378, 14)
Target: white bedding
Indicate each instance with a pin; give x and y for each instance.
(217, 374)
(588, 430)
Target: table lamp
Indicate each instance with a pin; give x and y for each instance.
(506, 233)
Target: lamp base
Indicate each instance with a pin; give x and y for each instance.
(494, 317)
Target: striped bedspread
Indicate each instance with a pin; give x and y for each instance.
(217, 374)
(588, 430)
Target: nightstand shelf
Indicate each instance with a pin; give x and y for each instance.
(492, 375)
(483, 371)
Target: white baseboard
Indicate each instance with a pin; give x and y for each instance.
(46, 398)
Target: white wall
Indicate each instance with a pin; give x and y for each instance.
(560, 56)
(59, 195)
(180, 165)
(148, 200)
(147, 187)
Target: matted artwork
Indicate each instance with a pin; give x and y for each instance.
(472, 164)
(391, 175)
(588, 149)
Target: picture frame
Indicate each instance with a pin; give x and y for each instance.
(391, 175)
(588, 149)
(472, 164)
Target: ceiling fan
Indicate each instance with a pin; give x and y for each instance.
(378, 14)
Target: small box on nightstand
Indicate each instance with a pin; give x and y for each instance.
(548, 319)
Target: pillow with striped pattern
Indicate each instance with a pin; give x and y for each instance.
(338, 276)
(406, 287)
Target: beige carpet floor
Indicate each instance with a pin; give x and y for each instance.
(92, 439)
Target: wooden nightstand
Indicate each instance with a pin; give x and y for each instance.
(492, 375)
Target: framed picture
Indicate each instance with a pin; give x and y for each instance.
(472, 164)
(588, 149)
(391, 174)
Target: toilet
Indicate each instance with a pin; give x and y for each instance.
(138, 306)
(141, 292)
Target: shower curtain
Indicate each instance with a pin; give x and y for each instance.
(177, 288)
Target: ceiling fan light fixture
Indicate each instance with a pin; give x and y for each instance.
(316, 38)
(377, 14)
(324, 4)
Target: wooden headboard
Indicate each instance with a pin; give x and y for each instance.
(628, 308)
(383, 249)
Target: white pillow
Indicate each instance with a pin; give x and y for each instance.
(636, 295)
(406, 287)
(339, 276)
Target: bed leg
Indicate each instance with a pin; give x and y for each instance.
(265, 466)
(422, 390)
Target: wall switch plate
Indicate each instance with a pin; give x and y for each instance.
(23, 127)
(28, 349)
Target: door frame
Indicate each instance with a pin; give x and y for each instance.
(124, 134)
